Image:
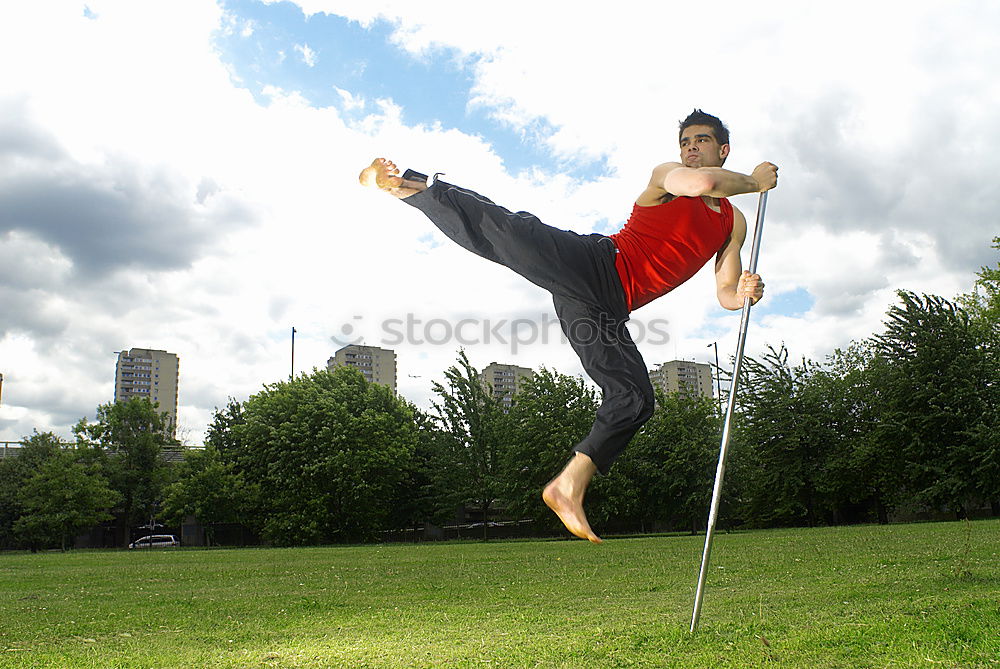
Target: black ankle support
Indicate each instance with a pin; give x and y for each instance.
(413, 175)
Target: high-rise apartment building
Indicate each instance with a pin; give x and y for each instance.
(378, 365)
(149, 373)
(683, 376)
(504, 381)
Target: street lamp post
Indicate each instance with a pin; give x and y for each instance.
(718, 381)
(292, 377)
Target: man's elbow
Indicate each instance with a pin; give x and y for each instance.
(729, 306)
(727, 299)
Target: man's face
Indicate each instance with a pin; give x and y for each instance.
(699, 148)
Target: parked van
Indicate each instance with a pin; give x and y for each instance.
(155, 541)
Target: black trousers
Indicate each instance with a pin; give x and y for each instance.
(579, 271)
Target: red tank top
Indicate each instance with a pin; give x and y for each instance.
(663, 246)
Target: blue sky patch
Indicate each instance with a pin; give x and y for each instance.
(432, 89)
(794, 303)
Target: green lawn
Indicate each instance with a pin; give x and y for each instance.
(923, 595)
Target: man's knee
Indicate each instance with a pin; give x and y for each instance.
(645, 406)
(641, 404)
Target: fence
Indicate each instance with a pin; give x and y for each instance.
(9, 449)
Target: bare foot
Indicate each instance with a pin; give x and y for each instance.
(384, 174)
(564, 495)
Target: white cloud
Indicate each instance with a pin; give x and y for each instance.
(350, 101)
(882, 126)
(308, 55)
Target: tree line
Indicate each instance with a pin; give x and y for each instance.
(906, 420)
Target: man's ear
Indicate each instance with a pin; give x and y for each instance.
(724, 152)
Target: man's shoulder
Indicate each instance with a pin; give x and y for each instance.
(664, 168)
(739, 220)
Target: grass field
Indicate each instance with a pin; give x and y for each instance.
(923, 595)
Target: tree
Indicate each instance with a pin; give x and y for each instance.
(420, 497)
(323, 456)
(780, 442)
(10, 506)
(131, 435)
(14, 473)
(937, 400)
(863, 476)
(206, 488)
(983, 306)
(671, 462)
(62, 498)
(983, 303)
(220, 434)
(472, 425)
(551, 413)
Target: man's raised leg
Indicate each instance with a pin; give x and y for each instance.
(384, 174)
(524, 244)
(564, 495)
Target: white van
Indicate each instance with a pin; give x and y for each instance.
(155, 541)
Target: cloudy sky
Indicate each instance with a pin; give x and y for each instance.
(182, 175)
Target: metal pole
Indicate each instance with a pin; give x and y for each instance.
(292, 377)
(720, 470)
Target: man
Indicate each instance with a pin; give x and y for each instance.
(679, 222)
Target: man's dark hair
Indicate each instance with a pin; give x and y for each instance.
(698, 117)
